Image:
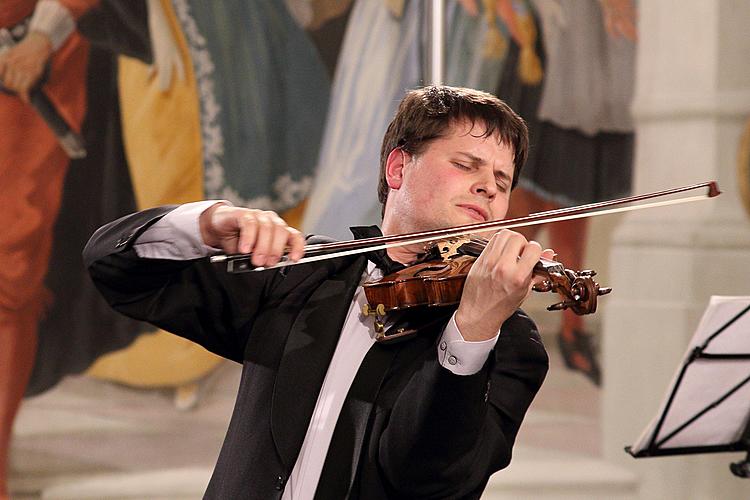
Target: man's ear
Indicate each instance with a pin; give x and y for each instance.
(394, 167)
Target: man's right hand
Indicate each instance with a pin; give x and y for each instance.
(244, 230)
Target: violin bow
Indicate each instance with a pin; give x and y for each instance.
(237, 263)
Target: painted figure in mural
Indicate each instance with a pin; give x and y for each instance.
(32, 171)
(379, 58)
(266, 99)
(580, 128)
(96, 189)
(57, 202)
(321, 406)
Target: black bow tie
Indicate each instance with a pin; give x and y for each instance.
(378, 257)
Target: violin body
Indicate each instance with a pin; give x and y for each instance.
(434, 283)
(440, 281)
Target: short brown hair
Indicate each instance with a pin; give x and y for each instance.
(425, 114)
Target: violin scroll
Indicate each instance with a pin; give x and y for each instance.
(578, 290)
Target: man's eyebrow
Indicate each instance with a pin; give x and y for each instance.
(472, 158)
(499, 174)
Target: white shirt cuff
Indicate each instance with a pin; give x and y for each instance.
(177, 235)
(54, 20)
(460, 356)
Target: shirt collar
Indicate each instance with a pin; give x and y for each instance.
(379, 257)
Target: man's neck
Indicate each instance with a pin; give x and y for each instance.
(406, 254)
(402, 255)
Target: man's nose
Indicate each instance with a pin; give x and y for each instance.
(485, 187)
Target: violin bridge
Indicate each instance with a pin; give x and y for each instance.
(449, 248)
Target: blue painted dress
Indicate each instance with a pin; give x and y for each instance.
(263, 95)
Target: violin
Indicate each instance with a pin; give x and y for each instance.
(437, 279)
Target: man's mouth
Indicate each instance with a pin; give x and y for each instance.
(475, 212)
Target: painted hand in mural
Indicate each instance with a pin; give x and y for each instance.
(503, 9)
(244, 230)
(620, 18)
(21, 66)
(166, 52)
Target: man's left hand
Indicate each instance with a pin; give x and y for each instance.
(497, 284)
(22, 65)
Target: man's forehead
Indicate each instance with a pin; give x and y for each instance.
(465, 128)
(478, 128)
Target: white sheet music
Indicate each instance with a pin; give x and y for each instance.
(706, 380)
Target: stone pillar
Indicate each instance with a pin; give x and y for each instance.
(692, 100)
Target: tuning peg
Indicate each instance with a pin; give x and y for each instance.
(543, 286)
(587, 273)
(604, 291)
(560, 306)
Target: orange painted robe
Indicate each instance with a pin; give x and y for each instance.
(32, 170)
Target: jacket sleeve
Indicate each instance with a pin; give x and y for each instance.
(448, 433)
(191, 298)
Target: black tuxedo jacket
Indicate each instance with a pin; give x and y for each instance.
(409, 428)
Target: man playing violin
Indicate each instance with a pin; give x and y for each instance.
(323, 410)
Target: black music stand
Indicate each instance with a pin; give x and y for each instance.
(707, 408)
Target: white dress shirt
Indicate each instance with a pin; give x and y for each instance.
(177, 237)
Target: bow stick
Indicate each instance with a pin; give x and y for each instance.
(237, 263)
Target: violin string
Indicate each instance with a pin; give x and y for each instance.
(356, 251)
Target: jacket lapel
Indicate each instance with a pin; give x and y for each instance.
(338, 477)
(342, 460)
(307, 354)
